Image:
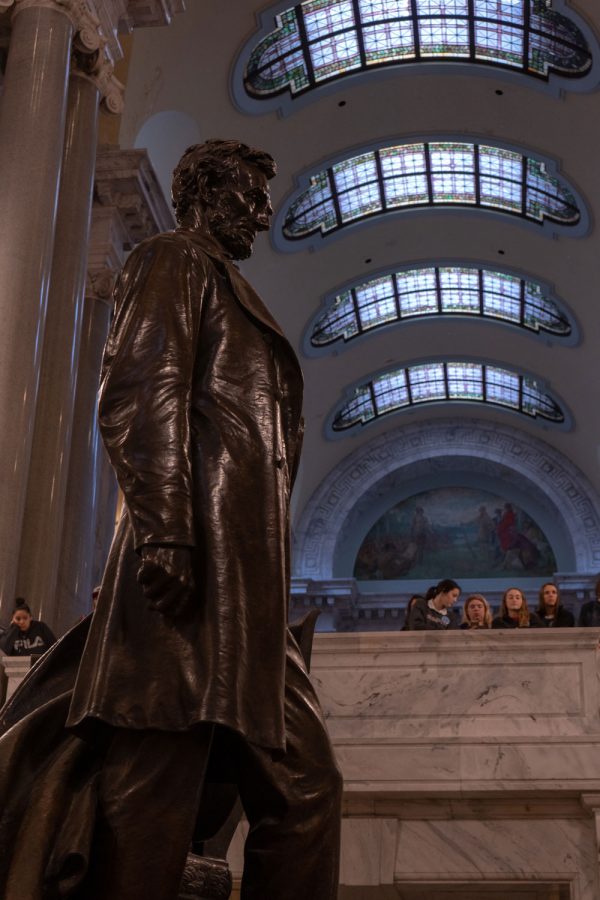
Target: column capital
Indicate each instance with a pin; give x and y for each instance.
(85, 24)
(100, 283)
(99, 69)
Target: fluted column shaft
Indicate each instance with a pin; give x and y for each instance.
(84, 498)
(32, 117)
(49, 466)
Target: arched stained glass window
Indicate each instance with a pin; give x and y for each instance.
(438, 291)
(445, 381)
(320, 40)
(440, 173)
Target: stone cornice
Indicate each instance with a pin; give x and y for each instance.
(126, 180)
(144, 13)
(128, 207)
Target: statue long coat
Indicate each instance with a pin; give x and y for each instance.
(200, 411)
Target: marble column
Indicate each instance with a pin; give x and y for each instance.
(128, 207)
(32, 117)
(76, 570)
(591, 802)
(49, 465)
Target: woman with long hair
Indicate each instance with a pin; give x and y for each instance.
(435, 612)
(514, 612)
(476, 613)
(550, 610)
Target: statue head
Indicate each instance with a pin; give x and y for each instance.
(222, 187)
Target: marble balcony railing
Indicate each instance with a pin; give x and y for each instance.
(460, 711)
(471, 763)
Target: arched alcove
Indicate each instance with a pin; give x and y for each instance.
(402, 462)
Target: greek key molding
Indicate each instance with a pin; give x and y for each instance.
(327, 512)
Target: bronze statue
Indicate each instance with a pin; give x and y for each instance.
(200, 411)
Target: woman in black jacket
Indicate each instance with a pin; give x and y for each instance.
(550, 610)
(435, 613)
(26, 636)
(514, 612)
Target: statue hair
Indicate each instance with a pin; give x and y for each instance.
(205, 167)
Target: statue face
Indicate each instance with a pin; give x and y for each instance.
(242, 209)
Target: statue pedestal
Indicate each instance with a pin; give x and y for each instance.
(15, 668)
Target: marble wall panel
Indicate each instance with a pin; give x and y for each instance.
(430, 685)
(452, 767)
(368, 851)
(520, 852)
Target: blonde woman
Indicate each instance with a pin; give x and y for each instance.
(476, 612)
(514, 612)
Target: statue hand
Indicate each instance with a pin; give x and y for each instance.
(167, 579)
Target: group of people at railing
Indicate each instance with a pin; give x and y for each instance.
(437, 610)
(434, 611)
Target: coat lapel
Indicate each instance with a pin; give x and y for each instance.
(244, 293)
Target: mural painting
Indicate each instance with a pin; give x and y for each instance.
(454, 532)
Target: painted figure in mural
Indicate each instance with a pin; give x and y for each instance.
(200, 410)
(421, 533)
(516, 546)
(486, 531)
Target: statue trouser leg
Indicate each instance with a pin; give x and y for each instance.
(293, 803)
(149, 793)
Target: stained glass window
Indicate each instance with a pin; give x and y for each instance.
(438, 291)
(446, 381)
(441, 173)
(319, 40)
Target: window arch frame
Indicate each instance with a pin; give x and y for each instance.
(340, 344)
(485, 405)
(286, 103)
(317, 238)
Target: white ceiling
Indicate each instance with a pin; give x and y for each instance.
(186, 70)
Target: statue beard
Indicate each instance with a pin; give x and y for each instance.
(236, 236)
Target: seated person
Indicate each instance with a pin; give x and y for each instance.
(514, 612)
(550, 610)
(26, 636)
(589, 614)
(476, 612)
(435, 612)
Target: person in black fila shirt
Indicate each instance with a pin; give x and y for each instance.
(26, 636)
